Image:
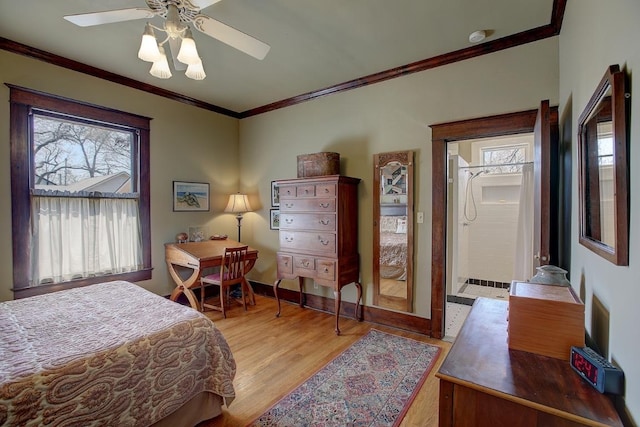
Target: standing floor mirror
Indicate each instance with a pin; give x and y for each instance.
(393, 230)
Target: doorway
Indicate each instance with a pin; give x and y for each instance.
(489, 221)
(544, 124)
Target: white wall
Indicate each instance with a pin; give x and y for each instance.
(492, 236)
(187, 144)
(596, 34)
(389, 116)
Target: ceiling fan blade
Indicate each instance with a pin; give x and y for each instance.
(174, 47)
(229, 35)
(201, 4)
(109, 16)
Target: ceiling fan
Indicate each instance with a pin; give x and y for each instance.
(178, 14)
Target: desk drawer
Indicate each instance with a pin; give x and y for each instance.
(304, 221)
(308, 242)
(308, 205)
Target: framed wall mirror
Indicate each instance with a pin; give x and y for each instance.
(393, 230)
(603, 170)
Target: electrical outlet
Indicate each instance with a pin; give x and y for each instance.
(420, 217)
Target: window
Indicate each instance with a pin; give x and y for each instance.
(80, 194)
(504, 159)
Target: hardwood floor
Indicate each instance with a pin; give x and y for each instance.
(274, 355)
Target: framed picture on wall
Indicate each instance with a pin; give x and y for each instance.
(274, 224)
(275, 194)
(190, 196)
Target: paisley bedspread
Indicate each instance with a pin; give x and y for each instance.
(393, 256)
(111, 354)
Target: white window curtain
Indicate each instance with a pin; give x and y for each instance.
(78, 237)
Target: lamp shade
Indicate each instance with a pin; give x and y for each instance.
(195, 71)
(160, 69)
(149, 46)
(238, 203)
(188, 53)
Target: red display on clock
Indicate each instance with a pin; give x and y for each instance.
(585, 367)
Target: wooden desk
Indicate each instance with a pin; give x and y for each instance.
(483, 383)
(196, 256)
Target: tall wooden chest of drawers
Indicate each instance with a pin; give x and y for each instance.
(319, 234)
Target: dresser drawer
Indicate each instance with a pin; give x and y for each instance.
(308, 242)
(285, 264)
(308, 190)
(287, 191)
(304, 266)
(325, 269)
(308, 205)
(308, 221)
(325, 190)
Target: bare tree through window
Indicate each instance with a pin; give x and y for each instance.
(68, 152)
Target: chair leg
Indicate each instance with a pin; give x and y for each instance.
(201, 297)
(244, 301)
(222, 298)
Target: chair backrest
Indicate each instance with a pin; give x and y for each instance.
(234, 263)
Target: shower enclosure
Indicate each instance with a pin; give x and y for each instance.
(490, 212)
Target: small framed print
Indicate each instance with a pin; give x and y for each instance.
(275, 219)
(275, 194)
(190, 196)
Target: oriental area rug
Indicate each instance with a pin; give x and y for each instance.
(372, 383)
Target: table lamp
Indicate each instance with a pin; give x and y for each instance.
(238, 204)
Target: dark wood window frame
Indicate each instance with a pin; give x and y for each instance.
(22, 101)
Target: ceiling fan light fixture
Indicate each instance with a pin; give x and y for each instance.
(149, 46)
(160, 68)
(188, 52)
(195, 71)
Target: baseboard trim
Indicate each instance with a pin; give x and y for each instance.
(394, 319)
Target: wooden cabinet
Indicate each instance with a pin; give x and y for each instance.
(319, 234)
(484, 383)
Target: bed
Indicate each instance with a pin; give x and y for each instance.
(393, 247)
(110, 354)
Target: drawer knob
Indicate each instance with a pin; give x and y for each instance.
(326, 190)
(324, 221)
(306, 191)
(305, 263)
(325, 242)
(289, 220)
(324, 205)
(289, 239)
(326, 270)
(289, 205)
(286, 263)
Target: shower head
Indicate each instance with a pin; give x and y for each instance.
(474, 175)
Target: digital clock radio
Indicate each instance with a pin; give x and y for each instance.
(597, 370)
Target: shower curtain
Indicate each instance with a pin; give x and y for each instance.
(523, 263)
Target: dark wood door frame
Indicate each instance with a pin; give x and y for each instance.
(504, 124)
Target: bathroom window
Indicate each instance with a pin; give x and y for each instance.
(504, 160)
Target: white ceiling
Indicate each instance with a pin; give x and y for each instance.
(315, 44)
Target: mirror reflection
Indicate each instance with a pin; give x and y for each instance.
(599, 193)
(604, 177)
(393, 230)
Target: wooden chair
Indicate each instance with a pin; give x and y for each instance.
(231, 273)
